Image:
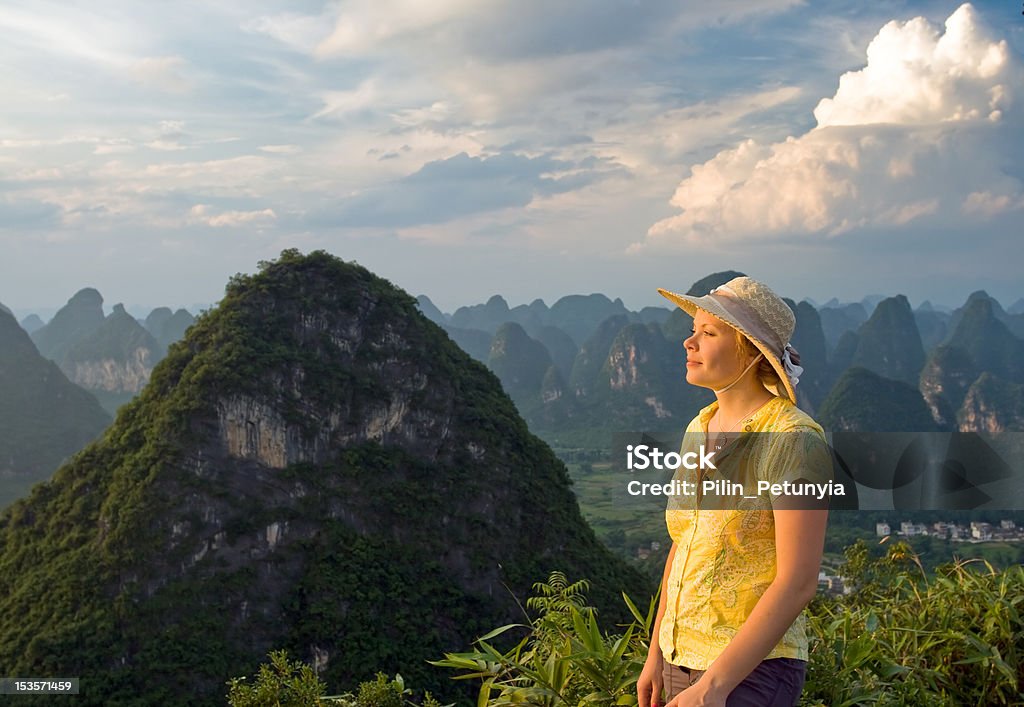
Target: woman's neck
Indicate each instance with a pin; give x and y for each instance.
(739, 402)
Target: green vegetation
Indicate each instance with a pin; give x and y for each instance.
(564, 660)
(285, 683)
(44, 417)
(864, 401)
(902, 638)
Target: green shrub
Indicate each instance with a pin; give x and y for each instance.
(281, 684)
(294, 684)
(904, 638)
(563, 660)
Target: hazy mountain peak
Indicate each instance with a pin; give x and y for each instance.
(709, 282)
(87, 297)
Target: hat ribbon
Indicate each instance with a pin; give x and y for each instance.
(791, 362)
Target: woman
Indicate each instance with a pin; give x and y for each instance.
(729, 629)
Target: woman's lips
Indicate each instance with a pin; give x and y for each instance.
(692, 363)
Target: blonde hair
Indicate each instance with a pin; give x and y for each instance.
(765, 371)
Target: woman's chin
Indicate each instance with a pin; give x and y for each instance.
(694, 378)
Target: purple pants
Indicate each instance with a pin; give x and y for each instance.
(774, 682)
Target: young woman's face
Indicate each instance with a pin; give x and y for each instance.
(712, 358)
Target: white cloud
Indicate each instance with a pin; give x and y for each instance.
(114, 146)
(990, 205)
(280, 149)
(201, 213)
(82, 36)
(165, 145)
(915, 74)
(338, 104)
(363, 25)
(300, 32)
(905, 140)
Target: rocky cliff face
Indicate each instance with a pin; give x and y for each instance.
(992, 406)
(586, 369)
(313, 456)
(642, 384)
(947, 375)
(117, 357)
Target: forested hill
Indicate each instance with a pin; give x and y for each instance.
(44, 417)
(315, 467)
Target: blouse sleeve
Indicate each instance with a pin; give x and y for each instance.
(798, 455)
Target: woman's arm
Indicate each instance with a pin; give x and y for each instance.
(799, 543)
(655, 648)
(649, 684)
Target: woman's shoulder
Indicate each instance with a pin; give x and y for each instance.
(700, 420)
(788, 417)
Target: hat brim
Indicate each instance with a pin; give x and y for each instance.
(690, 305)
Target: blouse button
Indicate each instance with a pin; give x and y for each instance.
(747, 428)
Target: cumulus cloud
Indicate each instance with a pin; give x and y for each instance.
(915, 74)
(918, 135)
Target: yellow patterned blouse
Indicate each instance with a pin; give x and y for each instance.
(725, 558)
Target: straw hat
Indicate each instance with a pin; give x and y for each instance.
(760, 315)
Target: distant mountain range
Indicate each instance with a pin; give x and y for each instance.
(110, 356)
(617, 370)
(587, 367)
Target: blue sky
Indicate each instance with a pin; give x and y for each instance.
(463, 148)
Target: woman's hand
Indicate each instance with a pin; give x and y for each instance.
(649, 684)
(698, 695)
